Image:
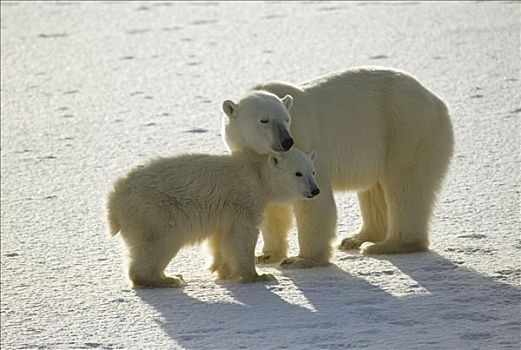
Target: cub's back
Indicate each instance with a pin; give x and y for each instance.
(190, 178)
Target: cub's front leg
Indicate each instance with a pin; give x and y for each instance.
(219, 265)
(238, 252)
(275, 226)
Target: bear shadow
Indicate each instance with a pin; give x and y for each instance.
(258, 318)
(456, 307)
(460, 309)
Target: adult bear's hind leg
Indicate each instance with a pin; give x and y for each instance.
(410, 205)
(374, 215)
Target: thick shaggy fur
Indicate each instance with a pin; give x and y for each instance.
(376, 131)
(172, 202)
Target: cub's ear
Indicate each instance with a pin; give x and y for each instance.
(312, 154)
(274, 160)
(288, 102)
(230, 108)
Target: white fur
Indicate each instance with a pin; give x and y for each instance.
(376, 131)
(267, 115)
(171, 202)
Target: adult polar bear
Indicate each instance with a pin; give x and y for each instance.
(375, 130)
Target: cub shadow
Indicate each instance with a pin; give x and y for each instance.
(459, 308)
(262, 315)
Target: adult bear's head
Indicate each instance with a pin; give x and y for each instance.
(259, 121)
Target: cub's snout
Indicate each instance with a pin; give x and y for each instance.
(313, 193)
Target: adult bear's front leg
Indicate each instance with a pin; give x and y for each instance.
(316, 221)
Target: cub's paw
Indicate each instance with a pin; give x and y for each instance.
(164, 282)
(221, 269)
(369, 248)
(264, 277)
(298, 263)
(269, 258)
(175, 281)
(350, 243)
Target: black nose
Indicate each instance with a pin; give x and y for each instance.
(287, 143)
(315, 192)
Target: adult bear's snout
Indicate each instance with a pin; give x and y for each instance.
(287, 143)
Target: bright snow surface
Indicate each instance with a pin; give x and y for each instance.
(90, 89)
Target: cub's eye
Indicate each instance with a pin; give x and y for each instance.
(265, 121)
(298, 174)
(314, 173)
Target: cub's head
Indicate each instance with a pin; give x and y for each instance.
(259, 121)
(292, 175)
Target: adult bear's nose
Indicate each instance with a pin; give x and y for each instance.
(287, 143)
(315, 192)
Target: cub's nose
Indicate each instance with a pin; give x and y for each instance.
(287, 143)
(315, 192)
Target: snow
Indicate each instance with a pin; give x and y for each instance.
(90, 89)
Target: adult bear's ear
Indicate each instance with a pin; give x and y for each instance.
(312, 154)
(288, 102)
(274, 160)
(230, 108)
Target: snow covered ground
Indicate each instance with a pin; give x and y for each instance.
(90, 89)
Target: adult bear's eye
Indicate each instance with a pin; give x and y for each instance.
(264, 121)
(298, 173)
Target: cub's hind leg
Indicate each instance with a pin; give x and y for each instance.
(148, 257)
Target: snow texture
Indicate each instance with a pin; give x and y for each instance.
(90, 89)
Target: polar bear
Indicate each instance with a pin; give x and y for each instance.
(376, 131)
(172, 202)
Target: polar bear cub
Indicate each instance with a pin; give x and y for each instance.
(169, 203)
